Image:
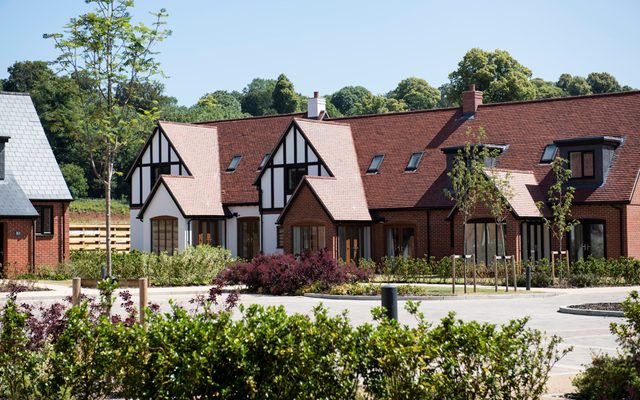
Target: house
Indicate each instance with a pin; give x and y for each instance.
(34, 198)
(373, 186)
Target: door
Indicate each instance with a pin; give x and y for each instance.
(248, 237)
(536, 241)
(587, 239)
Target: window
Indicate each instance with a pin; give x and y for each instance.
(581, 164)
(233, 165)
(294, 176)
(265, 158)
(374, 167)
(44, 222)
(536, 241)
(209, 232)
(587, 239)
(400, 242)
(482, 239)
(548, 154)
(279, 237)
(157, 170)
(164, 235)
(414, 161)
(308, 238)
(354, 243)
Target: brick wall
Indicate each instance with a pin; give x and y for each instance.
(50, 249)
(416, 219)
(17, 245)
(632, 217)
(306, 210)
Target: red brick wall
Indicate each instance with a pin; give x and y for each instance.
(50, 249)
(306, 210)
(632, 216)
(17, 249)
(416, 219)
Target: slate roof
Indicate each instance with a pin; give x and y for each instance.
(198, 194)
(28, 156)
(13, 201)
(343, 194)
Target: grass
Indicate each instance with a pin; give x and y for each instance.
(83, 206)
(373, 289)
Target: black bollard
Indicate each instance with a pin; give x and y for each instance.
(527, 271)
(390, 301)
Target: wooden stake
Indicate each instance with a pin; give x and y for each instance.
(75, 296)
(142, 285)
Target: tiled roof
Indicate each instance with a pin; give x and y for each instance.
(251, 138)
(199, 194)
(525, 192)
(28, 156)
(343, 194)
(13, 201)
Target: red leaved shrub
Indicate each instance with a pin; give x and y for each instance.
(285, 274)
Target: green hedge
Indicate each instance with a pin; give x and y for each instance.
(267, 353)
(193, 266)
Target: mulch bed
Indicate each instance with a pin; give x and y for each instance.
(598, 306)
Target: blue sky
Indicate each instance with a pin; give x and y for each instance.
(325, 45)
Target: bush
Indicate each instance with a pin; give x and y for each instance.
(193, 266)
(618, 377)
(285, 274)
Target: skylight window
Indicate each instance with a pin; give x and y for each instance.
(375, 164)
(548, 154)
(264, 161)
(234, 163)
(414, 161)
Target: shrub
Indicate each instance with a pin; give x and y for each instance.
(616, 377)
(285, 274)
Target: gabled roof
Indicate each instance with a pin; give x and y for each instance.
(28, 156)
(13, 201)
(198, 194)
(342, 195)
(525, 193)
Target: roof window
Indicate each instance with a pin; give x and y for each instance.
(548, 154)
(414, 161)
(233, 165)
(265, 158)
(374, 167)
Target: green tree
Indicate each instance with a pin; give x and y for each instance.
(104, 50)
(603, 82)
(222, 99)
(497, 199)
(257, 97)
(348, 99)
(546, 89)
(373, 104)
(284, 97)
(416, 93)
(497, 73)
(560, 199)
(574, 85)
(76, 180)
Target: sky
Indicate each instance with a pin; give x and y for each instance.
(326, 45)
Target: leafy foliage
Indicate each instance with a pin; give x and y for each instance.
(416, 93)
(284, 97)
(76, 180)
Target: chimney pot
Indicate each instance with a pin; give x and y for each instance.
(316, 94)
(471, 99)
(472, 87)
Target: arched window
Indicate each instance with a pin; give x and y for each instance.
(164, 235)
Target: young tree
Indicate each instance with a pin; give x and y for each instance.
(106, 53)
(560, 199)
(468, 179)
(497, 199)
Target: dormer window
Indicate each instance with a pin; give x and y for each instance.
(549, 154)
(581, 164)
(414, 161)
(265, 158)
(374, 167)
(233, 165)
(494, 151)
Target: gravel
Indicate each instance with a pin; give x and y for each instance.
(598, 306)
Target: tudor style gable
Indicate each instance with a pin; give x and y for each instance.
(293, 157)
(158, 157)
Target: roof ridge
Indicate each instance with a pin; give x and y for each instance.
(250, 118)
(565, 98)
(186, 124)
(2, 92)
(322, 121)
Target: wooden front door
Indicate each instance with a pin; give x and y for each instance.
(248, 237)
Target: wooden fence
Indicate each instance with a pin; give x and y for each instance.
(93, 237)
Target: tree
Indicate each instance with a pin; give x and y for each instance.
(546, 89)
(497, 73)
(348, 99)
(257, 97)
(603, 82)
(284, 97)
(76, 180)
(573, 85)
(416, 93)
(373, 104)
(103, 51)
(467, 176)
(560, 198)
(497, 198)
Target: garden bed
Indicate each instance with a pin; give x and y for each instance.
(594, 309)
(7, 286)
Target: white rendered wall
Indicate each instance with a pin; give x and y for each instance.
(162, 205)
(232, 225)
(136, 230)
(270, 234)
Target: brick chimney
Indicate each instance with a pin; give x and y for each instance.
(3, 140)
(471, 99)
(316, 106)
